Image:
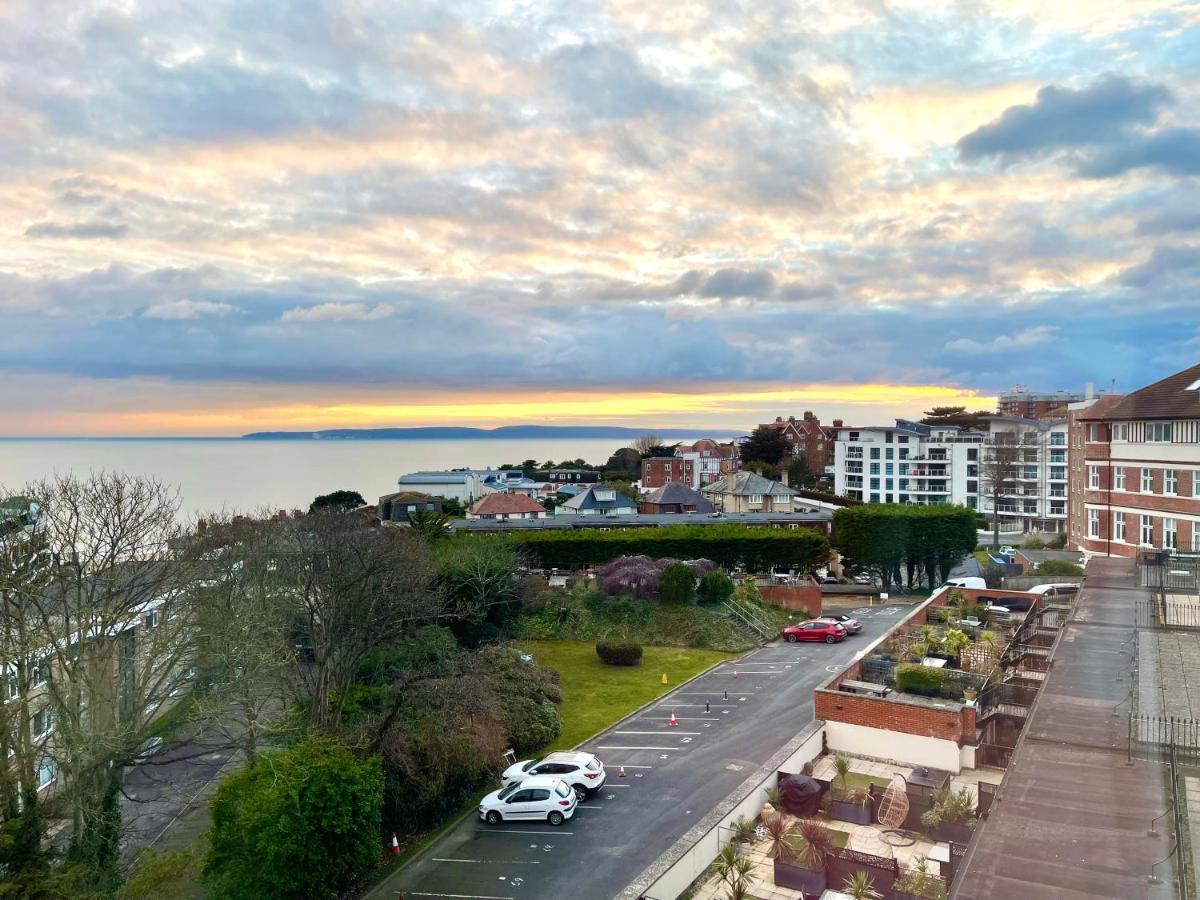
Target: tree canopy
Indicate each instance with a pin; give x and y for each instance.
(905, 544)
(766, 444)
(958, 415)
(343, 500)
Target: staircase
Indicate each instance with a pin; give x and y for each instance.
(750, 621)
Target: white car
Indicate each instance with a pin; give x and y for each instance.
(1008, 551)
(582, 771)
(542, 798)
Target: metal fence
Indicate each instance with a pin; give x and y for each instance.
(1160, 736)
(1168, 613)
(1169, 572)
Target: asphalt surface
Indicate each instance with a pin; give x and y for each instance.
(674, 776)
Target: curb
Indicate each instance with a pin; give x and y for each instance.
(641, 709)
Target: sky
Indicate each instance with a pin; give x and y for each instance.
(223, 217)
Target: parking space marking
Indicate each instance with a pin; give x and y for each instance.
(612, 747)
(627, 766)
(693, 733)
(547, 832)
(461, 896)
(498, 862)
(681, 719)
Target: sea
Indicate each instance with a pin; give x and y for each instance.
(232, 475)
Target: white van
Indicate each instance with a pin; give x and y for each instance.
(1066, 589)
(971, 582)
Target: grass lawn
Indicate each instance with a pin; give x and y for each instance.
(838, 838)
(858, 780)
(982, 557)
(596, 695)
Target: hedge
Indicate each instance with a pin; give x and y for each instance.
(729, 546)
(678, 584)
(905, 543)
(612, 653)
(715, 587)
(914, 678)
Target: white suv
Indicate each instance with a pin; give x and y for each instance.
(582, 771)
(542, 798)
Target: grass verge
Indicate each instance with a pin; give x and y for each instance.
(596, 695)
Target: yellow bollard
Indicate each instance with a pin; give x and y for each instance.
(664, 681)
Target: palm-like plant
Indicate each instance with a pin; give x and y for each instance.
(430, 524)
(817, 844)
(954, 641)
(775, 797)
(743, 830)
(860, 886)
(778, 826)
(841, 765)
(734, 867)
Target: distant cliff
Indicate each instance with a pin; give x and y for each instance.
(508, 432)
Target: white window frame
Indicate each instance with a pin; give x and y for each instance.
(49, 720)
(756, 499)
(1147, 530)
(1159, 432)
(1170, 481)
(1120, 432)
(1118, 478)
(1093, 523)
(1147, 480)
(1093, 478)
(46, 766)
(1170, 534)
(1119, 526)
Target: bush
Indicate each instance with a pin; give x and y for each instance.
(639, 576)
(612, 653)
(304, 822)
(1057, 542)
(914, 678)
(715, 587)
(1033, 542)
(1058, 567)
(678, 584)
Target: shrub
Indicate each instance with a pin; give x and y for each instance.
(1058, 567)
(914, 678)
(1057, 542)
(304, 822)
(715, 587)
(637, 576)
(1033, 542)
(613, 653)
(678, 584)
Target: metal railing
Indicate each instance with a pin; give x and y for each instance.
(1168, 571)
(749, 618)
(1160, 737)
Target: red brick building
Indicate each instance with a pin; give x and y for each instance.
(1026, 404)
(809, 439)
(1135, 469)
(659, 471)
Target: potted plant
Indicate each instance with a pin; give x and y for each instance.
(773, 803)
(918, 883)
(734, 868)
(860, 886)
(847, 805)
(743, 832)
(952, 816)
(778, 826)
(803, 867)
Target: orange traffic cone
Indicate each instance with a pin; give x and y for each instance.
(673, 722)
(621, 772)
(395, 845)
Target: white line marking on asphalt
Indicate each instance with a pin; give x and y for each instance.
(690, 705)
(693, 733)
(626, 766)
(498, 862)
(612, 747)
(461, 896)
(607, 786)
(589, 807)
(555, 832)
(679, 719)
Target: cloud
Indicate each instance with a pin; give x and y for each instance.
(1165, 265)
(1066, 118)
(187, 309)
(731, 283)
(1175, 151)
(337, 312)
(79, 230)
(1022, 340)
(1170, 221)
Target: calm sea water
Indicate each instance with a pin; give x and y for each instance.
(233, 475)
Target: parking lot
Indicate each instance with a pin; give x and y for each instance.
(673, 777)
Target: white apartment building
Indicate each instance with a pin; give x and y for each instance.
(911, 462)
(908, 462)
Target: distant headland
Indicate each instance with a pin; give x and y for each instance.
(506, 432)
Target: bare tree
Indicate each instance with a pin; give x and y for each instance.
(647, 443)
(357, 587)
(109, 618)
(999, 471)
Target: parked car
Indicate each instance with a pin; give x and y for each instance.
(828, 579)
(999, 615)
(1013, 604)
(582, 771)
(1008, 551)
(864, 579)
(816, 630)
(544, 798)
(1055, 590)
(968, 582)
(852, 625)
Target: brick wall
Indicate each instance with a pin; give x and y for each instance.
(658, 471)
(900, 715)
(797, 597)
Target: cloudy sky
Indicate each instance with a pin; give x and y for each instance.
(217, 217)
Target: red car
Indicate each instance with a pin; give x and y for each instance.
(817, 630)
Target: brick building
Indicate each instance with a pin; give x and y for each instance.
(659, 471)
(809, 439)
(1026, 404)
(1135, 469)
(711, 460)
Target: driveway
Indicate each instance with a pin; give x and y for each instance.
(674, 776)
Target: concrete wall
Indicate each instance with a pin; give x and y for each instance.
(1025, 582)
(687, 859)
(893, 746)
(806, 597)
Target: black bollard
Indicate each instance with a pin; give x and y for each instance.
(727, 695)
(706, 706)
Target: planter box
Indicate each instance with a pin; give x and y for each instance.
(799, 879)
(957, 832)
(845, 811)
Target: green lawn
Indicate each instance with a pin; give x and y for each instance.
(982, 557)
(596, 695)
(859, 780)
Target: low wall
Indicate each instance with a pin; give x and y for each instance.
(688, 858)
(806, 597)
(1025, 582)
(891, 746)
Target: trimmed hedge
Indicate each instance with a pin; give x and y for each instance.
(914, 678)
(729, 546)
(613, 653)
(715, 587)
(677, 584)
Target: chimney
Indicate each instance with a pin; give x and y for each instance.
(1089, 391)
(808, 416)
(837, 423)
(791, 418)
(779, 418)
(783, 476)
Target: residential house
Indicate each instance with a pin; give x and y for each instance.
(399, 506)
(750, 492)
(808, 439)
(1141, 469)
(463, 485)
(710, 460)
(598, 500)
(675, 498)
(658, 471)
(506, 506)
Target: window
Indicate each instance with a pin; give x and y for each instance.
(1093, 523)
(888, 468)
(1120, 431)
(1058, 456)
(1118, 526)
(874, 498)
(972, 487)
(1118, 478)
(1093, 431)
(1170, 534)
(889, 498)
(151, 620)
(1147, 481)
(1196, 537)
(42, 723)
(874, 484)
(904, 453)
(1159, 432)
(1093, 477)
(1058, 439)
(1058, 507)
(854, 435)
(41, 672)
(46, 773)
(1147, 530)
(973, 454)
(890, 453)
(903, 439)
(1196, 483)
(874, 468)
(890, 436)
(756, 499)
(1058, 473)
(1170, 481)
(874, 453)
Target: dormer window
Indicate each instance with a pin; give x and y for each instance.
(606, 496)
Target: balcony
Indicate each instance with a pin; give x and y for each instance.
(854, 453)
(853, 468)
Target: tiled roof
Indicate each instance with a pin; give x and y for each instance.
(749, 483)
(505, 504)
(673, 492)
(587, 499)
(1176, 396)
(1100, 409)
(408, 497)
